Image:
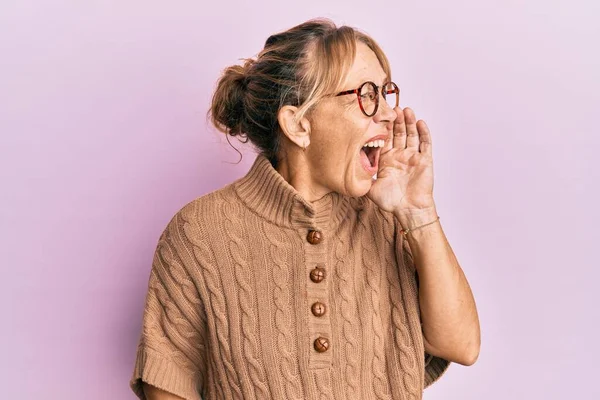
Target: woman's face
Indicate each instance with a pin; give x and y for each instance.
(339, 130)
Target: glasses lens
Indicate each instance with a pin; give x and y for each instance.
(391, 94)
(368, 98)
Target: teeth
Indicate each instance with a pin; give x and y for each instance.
(375, 143)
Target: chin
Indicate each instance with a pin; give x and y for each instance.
(363, 190)
(360, 185)
(356, 182)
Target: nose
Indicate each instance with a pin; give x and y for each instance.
(385, 113)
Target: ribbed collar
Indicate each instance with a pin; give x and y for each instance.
(267, 193)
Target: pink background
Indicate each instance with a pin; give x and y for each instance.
(104, 137)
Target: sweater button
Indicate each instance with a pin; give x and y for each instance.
(314, 237)
(317, 274)
(321, 344)
(318, 309)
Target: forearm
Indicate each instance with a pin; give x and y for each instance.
(448, 312)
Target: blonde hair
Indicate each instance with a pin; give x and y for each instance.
(299, 67)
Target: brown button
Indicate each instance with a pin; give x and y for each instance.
(318, 309)
(321, 344)
(317, 274)
(314, 237)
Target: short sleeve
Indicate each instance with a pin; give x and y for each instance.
(171, 349)
(435, 366)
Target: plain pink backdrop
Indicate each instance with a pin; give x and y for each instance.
(103, 138)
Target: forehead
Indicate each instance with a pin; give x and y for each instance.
(366, 67)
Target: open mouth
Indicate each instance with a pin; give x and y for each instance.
(369, 155)
(372, 154)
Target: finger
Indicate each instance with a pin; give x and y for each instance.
(424, 137)
(399, 130)
(389, 142)
(412, 134)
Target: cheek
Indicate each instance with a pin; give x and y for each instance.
(339, 133)
(354, 133)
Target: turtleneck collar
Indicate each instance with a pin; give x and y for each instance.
(267, 193)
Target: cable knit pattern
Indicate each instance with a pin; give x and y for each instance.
(350, 318)
(370, 257)
(217, 301)
(283, 317)
(228, 312)
(247, 301)
(323, 382)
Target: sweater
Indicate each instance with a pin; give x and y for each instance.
(255, 293)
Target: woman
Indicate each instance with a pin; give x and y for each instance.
(308, 278)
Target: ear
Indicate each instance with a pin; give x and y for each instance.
(297, 132)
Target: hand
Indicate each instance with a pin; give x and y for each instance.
(404, 181)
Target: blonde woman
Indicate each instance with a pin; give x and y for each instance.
(324, 273)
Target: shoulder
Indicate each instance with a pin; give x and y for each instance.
(207, 209)
(186, 244)
(207, 204)
(196, 221)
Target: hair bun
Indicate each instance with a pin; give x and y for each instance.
(237, 73)
(228, 100)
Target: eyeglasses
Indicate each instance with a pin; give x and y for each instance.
(368, 96)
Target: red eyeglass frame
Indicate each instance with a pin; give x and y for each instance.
(377, 90)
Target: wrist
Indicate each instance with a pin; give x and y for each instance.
(413, 218)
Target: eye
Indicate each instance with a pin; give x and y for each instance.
(369, 96)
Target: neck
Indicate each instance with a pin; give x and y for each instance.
(295, 169)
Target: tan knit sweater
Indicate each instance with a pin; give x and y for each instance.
(230, 310)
